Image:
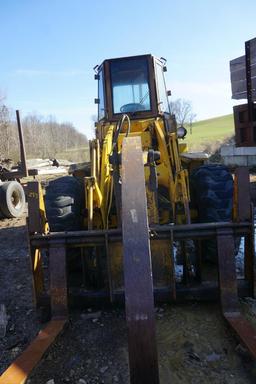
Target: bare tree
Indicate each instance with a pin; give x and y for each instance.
(182, 109)
(44, 138)
(2, 97)
(5, 130)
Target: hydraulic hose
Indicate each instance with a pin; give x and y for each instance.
(119, 128)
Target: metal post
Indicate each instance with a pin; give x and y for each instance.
(249, 90)
(22, 146)
(139, 300)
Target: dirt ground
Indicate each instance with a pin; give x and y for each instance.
(195, 346)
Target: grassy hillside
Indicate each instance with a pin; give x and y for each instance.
(206, 135)
(209, 134)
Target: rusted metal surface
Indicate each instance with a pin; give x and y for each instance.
(249, 88)
(243, 73)
(249, 257)
(227, 272)
(243, 131)
(244, 331)
(252, 253)
(173, 282)
(198, 263)
(139, 301)
(37, 275)
(35, 219)
(243, 84)
(36, 223)
(229, 295)
(23, 162)
(58, 282)
(242, 179)
(21, 368)
(110, 283)
(202, 230)
(206, 291)
(245, 212)
(186, 263)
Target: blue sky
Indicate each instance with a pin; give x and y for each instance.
(49, 49)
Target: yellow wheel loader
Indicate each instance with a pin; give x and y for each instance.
(117, 228)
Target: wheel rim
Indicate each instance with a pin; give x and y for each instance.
(16, 200)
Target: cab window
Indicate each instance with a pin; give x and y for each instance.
(101, 105)
(130, 85)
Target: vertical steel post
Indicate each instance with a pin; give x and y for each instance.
(22, 146)
(58, 281)
(245, 213)
(139, 300)
(249, 90)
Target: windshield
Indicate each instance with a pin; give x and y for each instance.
(130, 85)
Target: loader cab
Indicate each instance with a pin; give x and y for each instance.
(131, 85)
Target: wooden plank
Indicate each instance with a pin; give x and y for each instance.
(241, 86)
(243, 95)
(237, 64)
(239, 90)
(240, 74)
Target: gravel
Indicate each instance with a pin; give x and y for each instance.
(194, 343)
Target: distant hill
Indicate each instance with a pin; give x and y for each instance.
(211, 133)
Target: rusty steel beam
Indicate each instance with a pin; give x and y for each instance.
(245, 212)
(58, 282)
(227, 272)
(21, 368)
(139, 300)
(23, 160)
(158, 228)
(19, 371)
(206, 291)
(34, 225)
(228, 293)
(243, 191)
(196, 231)
(243, 330)
(249, 90)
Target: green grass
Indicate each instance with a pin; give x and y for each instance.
(210, 133)
(206, 135)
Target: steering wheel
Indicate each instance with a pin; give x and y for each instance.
(132, 107)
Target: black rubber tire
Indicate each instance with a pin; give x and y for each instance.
(12, 199)
(212, 194)
(64, 204)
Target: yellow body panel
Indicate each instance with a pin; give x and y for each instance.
(170, 173)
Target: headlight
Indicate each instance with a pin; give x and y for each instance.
(181, 132)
